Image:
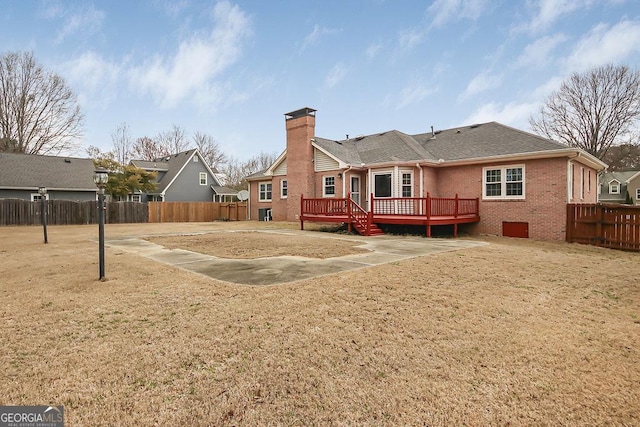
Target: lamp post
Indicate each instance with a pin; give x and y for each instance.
(43, 210)
(101, 177)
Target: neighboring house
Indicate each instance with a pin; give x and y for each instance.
(183, 177)
(516, 176)
(65, 178)
(614, 187)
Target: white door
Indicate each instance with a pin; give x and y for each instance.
(355, 189)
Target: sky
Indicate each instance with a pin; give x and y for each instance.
(232, 69)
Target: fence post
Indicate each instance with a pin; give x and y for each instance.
(455, 212)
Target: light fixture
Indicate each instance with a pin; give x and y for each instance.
(101, 177)
(43, 211)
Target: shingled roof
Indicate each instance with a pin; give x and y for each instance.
(30, 171)
(478, 141)
(168, 167)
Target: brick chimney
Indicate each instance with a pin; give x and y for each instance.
(300, 126)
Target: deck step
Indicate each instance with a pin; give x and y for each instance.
(374, 231)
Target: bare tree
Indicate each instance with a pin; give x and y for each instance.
(210, 150)
(122, 144)
(236, 171)
(623, 157)
(593, 110)
(173, 140)
(38, 112)
(146, 148)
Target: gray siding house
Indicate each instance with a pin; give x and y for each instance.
(65, 178)
(183, 177)
(614, 187)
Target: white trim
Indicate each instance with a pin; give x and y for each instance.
(617, 186)
(324, 186)
(341, 164)
(38, 196)
(581, 182)
(200, 175)
(401, 182)
(265, 191)
(373, 182)
(503, 182)
(275, 163)
(282, 195)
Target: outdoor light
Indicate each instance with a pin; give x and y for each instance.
(43, 211)
(100, 178)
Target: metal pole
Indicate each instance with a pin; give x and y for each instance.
(101, 231)
(43, 215)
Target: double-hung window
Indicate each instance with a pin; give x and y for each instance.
(264, 193)
(283, 189)
(505, 182)
(203, 178)
(329, 186)
(614, 187)
(407, 188)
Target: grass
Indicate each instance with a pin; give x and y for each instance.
(512, 333)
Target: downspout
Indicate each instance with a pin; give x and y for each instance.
(344, 181)
(249, 200)
(421, 179)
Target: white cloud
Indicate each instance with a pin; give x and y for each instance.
(317, 33)
(197, 62)
(538, 53)
(86, 21)
(481, 83)
(335, 76)
(373, 50)
(512, 114)
(409, 38)
(443, 11)
(605, 44)
(93, 78)
(549, 11)
(413, 93)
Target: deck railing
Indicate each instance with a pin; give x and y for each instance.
(324, 206)
(424, 206)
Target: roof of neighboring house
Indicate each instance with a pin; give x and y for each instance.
(30, 171)
(171, 166)
(224, 191)
(480, 141)
(623, 178)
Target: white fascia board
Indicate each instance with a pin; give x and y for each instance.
(276, 163)
(632, 177)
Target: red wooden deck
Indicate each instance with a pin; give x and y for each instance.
(427, 211)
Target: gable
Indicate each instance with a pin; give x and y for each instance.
(281, 169)
(322, 162)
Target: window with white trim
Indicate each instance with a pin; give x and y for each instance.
(506, 182)
(283, 189)
(136, 198)
(203, 178)
(382, 184)
(407, 187)
(36, 197)
(637, 196)
(329, 186)
(614, 187)
(264, 193)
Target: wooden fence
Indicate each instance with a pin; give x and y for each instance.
(65, 212)
(609, 226)
(197, 211)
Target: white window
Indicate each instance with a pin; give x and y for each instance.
(36, 197)
(203, 178)
(614, 187)
(505, 182)
(195, 159)
(264, 194)
(135, 198)
(581, 182)
(407, 187)
(283, 189)
(637, 196)
(329, 186)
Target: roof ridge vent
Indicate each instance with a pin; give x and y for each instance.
(475, 125)
(359, 137)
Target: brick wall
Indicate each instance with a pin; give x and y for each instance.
(300, 131)
(544, 206)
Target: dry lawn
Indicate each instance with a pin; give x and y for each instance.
(513, 333)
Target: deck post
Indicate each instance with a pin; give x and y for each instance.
(301, 212)
(428, 230)
(455, 214)
(429, 210)
(455, 230)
